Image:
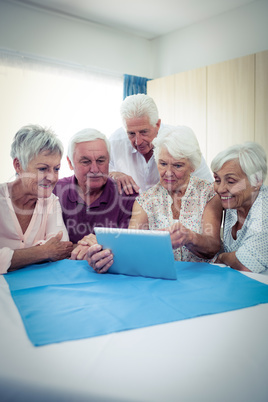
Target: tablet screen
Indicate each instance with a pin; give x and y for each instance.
(139, 252)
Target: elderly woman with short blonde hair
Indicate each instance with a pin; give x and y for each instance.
(31, 225)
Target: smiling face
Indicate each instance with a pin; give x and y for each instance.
(141, 134)
(90, 165)
(233, 186)
(174, 174)
(41, 175)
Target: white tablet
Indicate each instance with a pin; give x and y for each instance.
(139, 252)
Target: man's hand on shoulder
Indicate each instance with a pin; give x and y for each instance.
(124, 183)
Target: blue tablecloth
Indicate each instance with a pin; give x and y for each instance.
(67, 300)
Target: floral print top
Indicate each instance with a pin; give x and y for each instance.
(157, 203)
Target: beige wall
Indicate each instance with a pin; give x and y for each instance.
(261, 99)
(28, 30)
(230, 104)
(44, 35)
(237, 33)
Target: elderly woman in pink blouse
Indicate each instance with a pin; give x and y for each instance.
(31, 225)
(181, 203)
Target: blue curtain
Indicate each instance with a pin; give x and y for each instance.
(134, 85)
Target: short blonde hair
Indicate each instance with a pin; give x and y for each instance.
(30, 140)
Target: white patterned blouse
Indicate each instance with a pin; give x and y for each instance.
(251, 244)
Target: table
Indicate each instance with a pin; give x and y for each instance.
(216, 358)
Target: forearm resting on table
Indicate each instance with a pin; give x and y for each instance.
(231, 260)
(28, 256)
(204, 246)
(52, 250)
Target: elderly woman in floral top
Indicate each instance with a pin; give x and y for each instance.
(181, 203)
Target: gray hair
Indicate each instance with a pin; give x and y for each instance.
(87, 134)
(30, 140)
(251, 157)
(180, 142)
(140, 105)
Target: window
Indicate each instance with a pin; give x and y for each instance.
(64, 98)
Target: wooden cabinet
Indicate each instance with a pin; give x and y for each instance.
(230, 104)
(190, 103)
(181, 100)
(224, 103)
(261, 105)
(162, 90)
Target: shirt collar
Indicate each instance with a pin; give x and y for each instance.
(133, 150)
(103, 198)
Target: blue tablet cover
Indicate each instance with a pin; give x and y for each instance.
(67, 300)
(139, 252)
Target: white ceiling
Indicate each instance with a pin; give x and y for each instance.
(146, 18)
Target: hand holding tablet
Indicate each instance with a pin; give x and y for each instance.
(137, 252)
(99, 259)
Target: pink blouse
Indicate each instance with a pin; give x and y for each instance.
(46, 222)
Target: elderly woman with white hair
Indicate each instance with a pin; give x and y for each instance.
(31, 225)
(239, 173)
(183, 204)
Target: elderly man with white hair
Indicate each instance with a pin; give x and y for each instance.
(132, 164)
(90, 198)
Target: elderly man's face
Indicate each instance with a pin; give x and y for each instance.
(141, 133)
(91, 165)
(233, 186)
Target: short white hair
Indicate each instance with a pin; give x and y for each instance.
(180, 142)
(87, 134)
(137, 106)
(251, 157)
(31, 140)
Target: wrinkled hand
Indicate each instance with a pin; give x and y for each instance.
(88, 240)
(57, 249)
(180, 235)
(125, 182)
(100, 260)
(79, 252)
